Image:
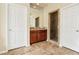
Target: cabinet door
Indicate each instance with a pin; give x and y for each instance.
(42, 35)
(33, 37)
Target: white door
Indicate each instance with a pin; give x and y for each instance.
(17, 26)
(70, 27)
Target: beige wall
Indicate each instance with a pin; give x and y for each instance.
(50, 8)
(28, 21)
(3, 28)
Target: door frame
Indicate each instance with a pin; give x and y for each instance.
(58, 42)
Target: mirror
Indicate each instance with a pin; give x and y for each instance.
(37, 22)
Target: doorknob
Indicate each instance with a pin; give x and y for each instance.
(10, 29)
(77, 30)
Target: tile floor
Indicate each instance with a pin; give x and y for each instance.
(41, 48)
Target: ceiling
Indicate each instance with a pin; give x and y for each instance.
(38, 5)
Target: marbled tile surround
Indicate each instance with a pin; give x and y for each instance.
(41, 48)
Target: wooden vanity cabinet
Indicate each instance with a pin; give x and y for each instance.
(42, 35)
(37, 36)
(33, 36)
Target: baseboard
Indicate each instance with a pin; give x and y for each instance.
(27, 45)
(53, 42)
(3, 51)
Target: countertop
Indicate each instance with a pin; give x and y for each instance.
(37, 28)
